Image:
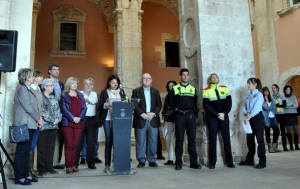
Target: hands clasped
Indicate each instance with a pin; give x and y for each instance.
(76, 119)
(221, 116)
(148, 116)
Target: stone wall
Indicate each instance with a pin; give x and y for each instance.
(14, 15)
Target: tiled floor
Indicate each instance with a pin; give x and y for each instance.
(283, 171)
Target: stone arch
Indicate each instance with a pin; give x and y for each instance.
(287, 75)
(172, 5)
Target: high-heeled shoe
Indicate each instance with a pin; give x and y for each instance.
(25, 182)
(69, 170)
(75, 170)
(32, 179)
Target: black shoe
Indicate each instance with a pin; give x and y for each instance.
(58, 167)
(141, 165)
(285, 149)
(178, 167)
(160, 157)
(196, 166)
(231, 165)
(212, 166)
(245, 163)
(82, 161)
(92, 166)
(260, 166)
(153, 164)
(97, 160)
(169, 162)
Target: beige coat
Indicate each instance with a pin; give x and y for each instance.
(26, 107)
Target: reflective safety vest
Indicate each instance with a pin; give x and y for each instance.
(279, 101)
(189, 90)
(210, 92)
(127, 99)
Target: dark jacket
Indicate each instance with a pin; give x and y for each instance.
(98, 111)
(138, 121)
(166, 111)
(62, 87)
(65, 106)
(103, 99)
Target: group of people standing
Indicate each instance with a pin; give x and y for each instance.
(58, 114)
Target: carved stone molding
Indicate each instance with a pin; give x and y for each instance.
(71, 14)
(288, 10)
(162, 49)
(35, 12)
(107, 7)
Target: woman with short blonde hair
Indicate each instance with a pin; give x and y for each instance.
(73, 109)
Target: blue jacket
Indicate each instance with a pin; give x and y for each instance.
(267, 110)
(65, 106)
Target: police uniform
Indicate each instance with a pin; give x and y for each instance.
(183, 101)
(217, 99)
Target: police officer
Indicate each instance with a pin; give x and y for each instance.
(183, 103)
(217, 103)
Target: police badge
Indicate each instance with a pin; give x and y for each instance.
(222, 93)
(255, 95)
(123, 113)
(191, 90)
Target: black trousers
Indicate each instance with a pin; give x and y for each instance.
(275, 134)
(45, 150)
(214, 124)
(21, 162)
(159, 146)
(61, 146)
(90, 131)
(186, 123)
(258, 126)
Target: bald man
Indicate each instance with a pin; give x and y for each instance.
(146, 121)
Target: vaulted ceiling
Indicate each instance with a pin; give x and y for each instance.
(106, 7)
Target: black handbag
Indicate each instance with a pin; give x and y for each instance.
(18, 133)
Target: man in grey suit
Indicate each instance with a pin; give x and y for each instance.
(146, 121)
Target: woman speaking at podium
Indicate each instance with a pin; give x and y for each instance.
(112, 90)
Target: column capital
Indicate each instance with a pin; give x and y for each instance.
(36, 8)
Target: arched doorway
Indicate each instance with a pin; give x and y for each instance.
(295, 83)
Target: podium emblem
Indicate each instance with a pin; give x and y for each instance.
(123, 113)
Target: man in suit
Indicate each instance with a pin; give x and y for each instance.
(146, 121)
(53, 71)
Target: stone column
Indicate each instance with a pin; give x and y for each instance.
(216, 38)
(4, 25)
(128, 43)
(265, 15)
(11, 18)
(35, 12)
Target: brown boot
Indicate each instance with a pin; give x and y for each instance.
(31, 165)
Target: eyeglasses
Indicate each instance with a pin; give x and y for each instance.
(50, 85)
(145, 79)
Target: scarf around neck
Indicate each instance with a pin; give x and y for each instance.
(276, 95)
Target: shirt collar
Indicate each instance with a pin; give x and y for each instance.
(253, 92)
(54, 80)
(214, 86)
(27, 86)
(146, 89)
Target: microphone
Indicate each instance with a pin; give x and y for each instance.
(179, 88)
